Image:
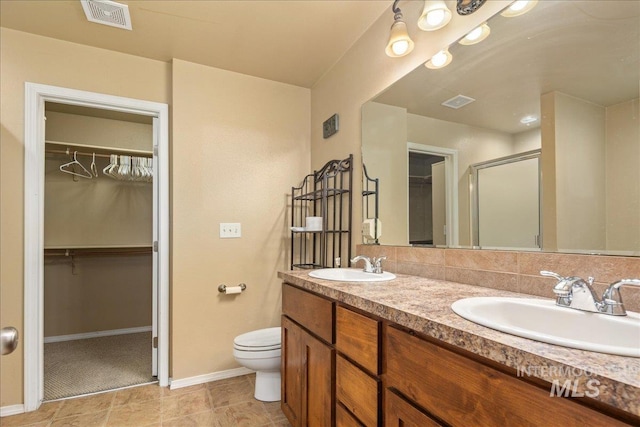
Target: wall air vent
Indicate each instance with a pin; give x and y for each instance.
(108, 13)
(458, 101)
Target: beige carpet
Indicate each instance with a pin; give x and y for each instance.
(72, 368)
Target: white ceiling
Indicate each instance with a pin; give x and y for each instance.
(288, 41)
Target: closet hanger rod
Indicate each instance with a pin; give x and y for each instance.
(80, 153)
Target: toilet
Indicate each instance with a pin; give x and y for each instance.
(260, 351)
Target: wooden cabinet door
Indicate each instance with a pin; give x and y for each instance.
(307, 373)
(292, 371)
(318, 400)
(357, 391)
(399, 413)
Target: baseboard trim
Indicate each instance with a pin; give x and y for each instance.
(5, 411)
(214, 376)
(60, 338)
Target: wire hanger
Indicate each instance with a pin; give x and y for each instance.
(72, 163)
(94, 169)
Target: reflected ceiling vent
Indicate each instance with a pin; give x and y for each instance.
(108, 13)
(458, 101)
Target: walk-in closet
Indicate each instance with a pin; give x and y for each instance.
(98, 264)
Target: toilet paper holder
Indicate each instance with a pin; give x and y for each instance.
(223, 288)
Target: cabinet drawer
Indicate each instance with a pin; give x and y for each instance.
(462, 391)
(357, 338)
(345, 419)
(357, 391)
(313, 312)
(399, 413)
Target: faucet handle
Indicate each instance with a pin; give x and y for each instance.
(377, 264)
(563, 287)
(551, 274)
(378, 260)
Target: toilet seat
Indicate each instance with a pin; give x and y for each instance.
(261, 340)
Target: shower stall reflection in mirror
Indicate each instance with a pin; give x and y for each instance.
(506, 202)
(36, 96)
(440, 207)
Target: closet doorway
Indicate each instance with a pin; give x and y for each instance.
(98, 263)
(96, 243)
(432, 195)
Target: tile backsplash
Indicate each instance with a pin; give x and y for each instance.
(509, 270)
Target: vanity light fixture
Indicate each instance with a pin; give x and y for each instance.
(400, 44)
(435, 15)
(439, 60)
(519, 7)
(476, 35)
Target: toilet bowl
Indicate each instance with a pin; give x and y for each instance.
(260, 351)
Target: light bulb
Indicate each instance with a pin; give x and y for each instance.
(439, 59)
(400, 43)
(400, 47)
(474, 34)
(518, 5)
(435, 17)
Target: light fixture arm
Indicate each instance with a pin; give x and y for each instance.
(396, 10)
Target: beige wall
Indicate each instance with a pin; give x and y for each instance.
(101, 211)
(96, 293)
(623, 176)
(25, 57)
(384, 150)
(527, 140)
(239, 144)
(79, 128)
(579, 150)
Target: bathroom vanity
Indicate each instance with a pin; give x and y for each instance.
(395, 354)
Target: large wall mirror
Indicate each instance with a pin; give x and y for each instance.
(546, 156)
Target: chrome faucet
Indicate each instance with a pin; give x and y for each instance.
(574, 292)
(370, 266)
(612, 300)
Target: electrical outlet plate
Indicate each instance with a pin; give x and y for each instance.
(230, 230)
(330, 126)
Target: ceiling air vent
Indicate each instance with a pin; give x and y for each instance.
(108, 13)
(458, 101)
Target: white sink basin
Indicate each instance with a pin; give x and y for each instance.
(351, 275)
(542, 320)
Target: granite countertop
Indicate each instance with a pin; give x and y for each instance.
(424, 305)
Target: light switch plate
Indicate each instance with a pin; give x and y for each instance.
(230, 230)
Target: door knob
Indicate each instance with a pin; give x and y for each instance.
(9, 338)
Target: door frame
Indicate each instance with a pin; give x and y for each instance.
(451, 186)
(34, 140)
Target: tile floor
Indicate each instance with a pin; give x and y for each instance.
(222, 403)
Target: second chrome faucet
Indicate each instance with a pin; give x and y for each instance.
(370, 265)
(574, 292)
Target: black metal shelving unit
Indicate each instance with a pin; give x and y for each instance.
(325, 193)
